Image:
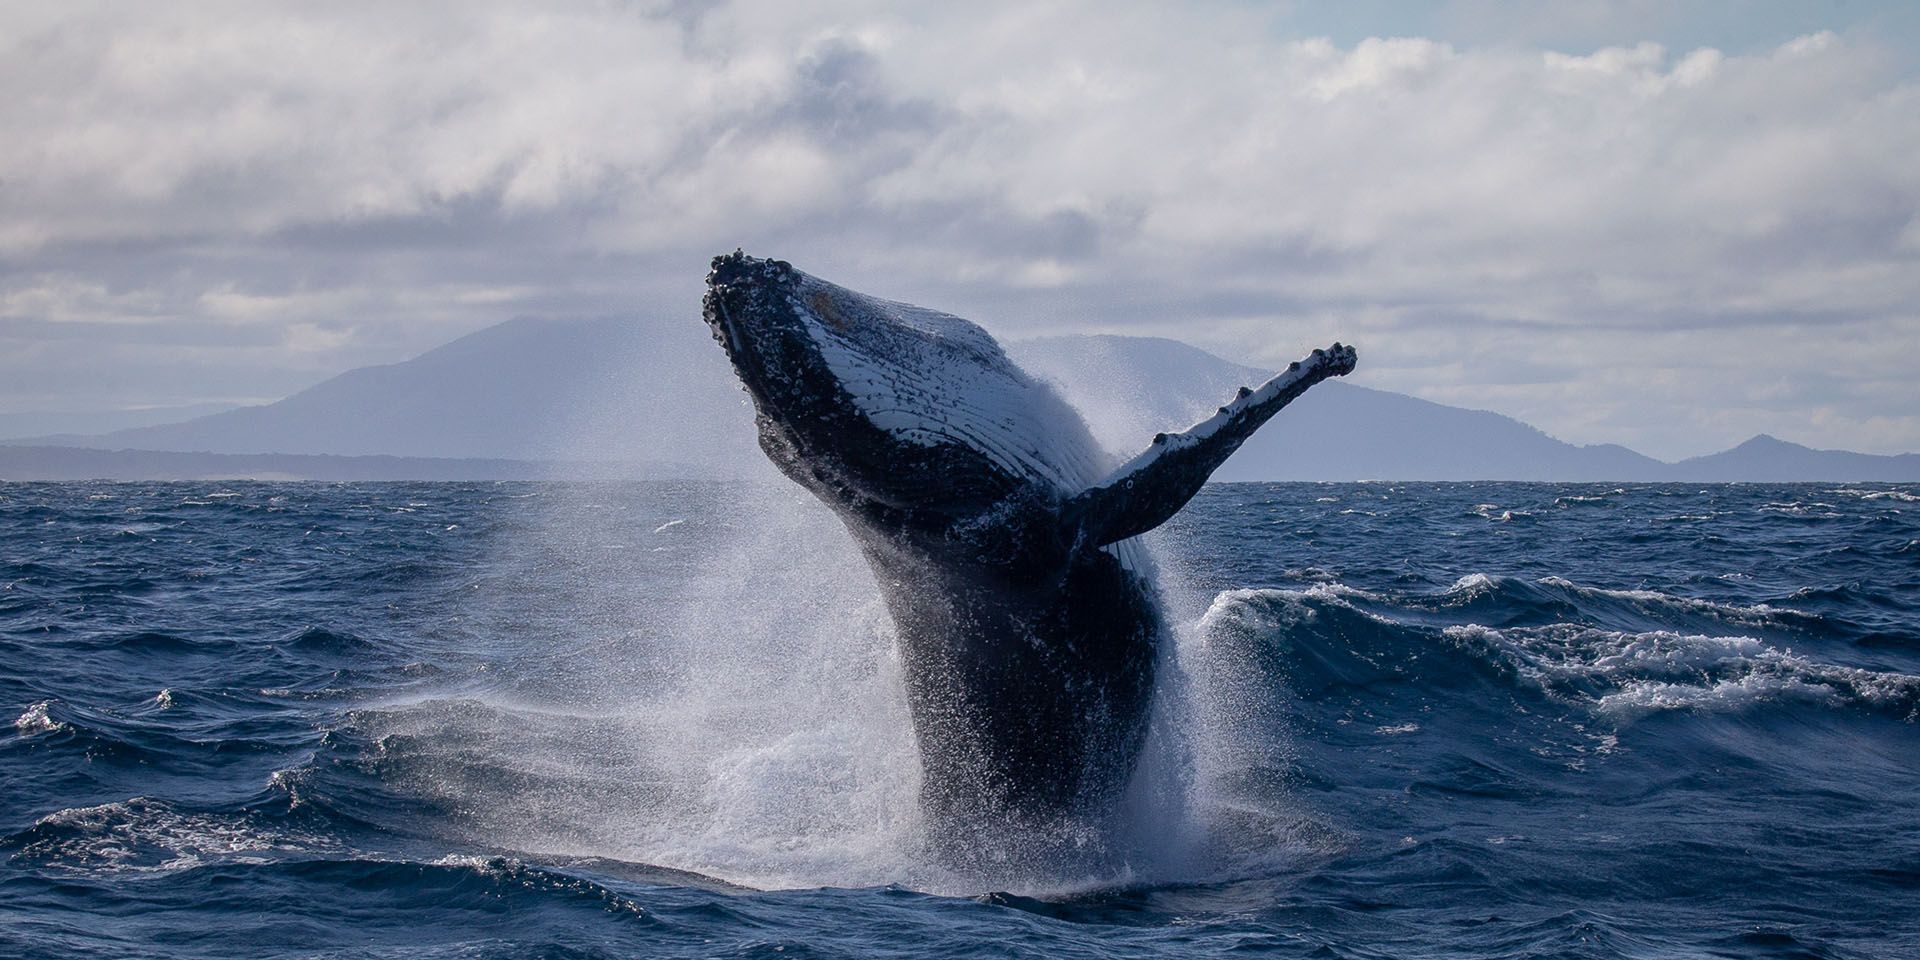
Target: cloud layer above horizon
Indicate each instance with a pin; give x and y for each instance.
(1667, 248)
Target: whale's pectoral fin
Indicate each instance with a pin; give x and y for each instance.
(1147, 490)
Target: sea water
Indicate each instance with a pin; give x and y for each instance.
(665, 719)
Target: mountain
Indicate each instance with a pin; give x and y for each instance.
(608, 389)
(78, 426)
(655, 397)
(1132, 387)
(79, 463)
(1766, 459)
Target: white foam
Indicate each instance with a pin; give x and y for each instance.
(1755, 614)
(1625, 675)
(1815, 509)
(1571, 499)
(1471, 585)
(1228, 604)
(1898, 496)
(1219, 737)
(149, 836)
(35, 720)
(749, 725)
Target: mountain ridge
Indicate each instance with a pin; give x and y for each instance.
(627, 390)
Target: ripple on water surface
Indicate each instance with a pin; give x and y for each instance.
(1445, 720)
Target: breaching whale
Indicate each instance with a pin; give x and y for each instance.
(1025, 623)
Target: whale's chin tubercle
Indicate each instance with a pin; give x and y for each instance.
(1027, 633)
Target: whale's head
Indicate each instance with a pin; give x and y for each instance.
(885, 405)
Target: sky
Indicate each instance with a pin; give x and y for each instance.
(1667, 225)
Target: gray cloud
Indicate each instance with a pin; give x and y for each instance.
(1666, 248)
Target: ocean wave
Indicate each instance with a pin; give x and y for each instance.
(171, 733)
(321, 641)
(1575, 499)
(37, 719)
(1506, 515)
(1813, 510)
(1317, 640)
(1285, 608)
(1754, 614)
(1898, 496)
(146, 836)
(153, 836)
(1628, 675)
(57, 725)
(1316, 574)
(1332, 636)
(151, 642)
(1493, 600)
(761, 807)
(489, 882)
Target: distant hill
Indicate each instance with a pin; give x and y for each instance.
(81, 426)
(1131, 387)
(611, 389)
(77, 463)
(648, 396)
(1769, 459)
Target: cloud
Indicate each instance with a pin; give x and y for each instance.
(1613, 244)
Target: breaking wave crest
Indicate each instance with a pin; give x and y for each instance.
(1628, 675)
(1561, 639)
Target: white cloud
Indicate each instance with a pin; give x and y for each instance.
(1654, 228)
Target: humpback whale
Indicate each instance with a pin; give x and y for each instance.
(1025, 622)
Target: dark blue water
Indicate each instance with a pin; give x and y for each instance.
(513, 720)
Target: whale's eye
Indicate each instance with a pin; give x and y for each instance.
(824, 309)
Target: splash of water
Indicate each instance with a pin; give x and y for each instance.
(745, 717)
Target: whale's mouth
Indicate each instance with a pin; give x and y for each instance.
(725, 330)
(724, 302)
(745, 308)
